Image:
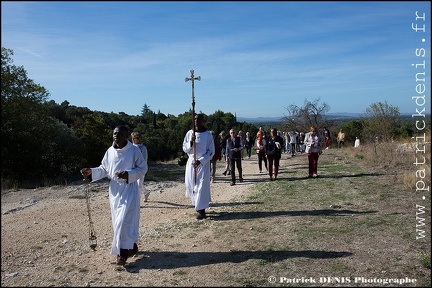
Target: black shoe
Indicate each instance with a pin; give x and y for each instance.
(201, 214)
(224, 173)
(134, 251)
(241, 180)
(122, 258)
(232, 184)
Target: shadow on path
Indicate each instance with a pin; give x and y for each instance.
(321, 176)
(219, 216)
(173, 260)
(172, 205)
(165, 204)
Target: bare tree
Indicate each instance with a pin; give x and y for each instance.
(311, 113)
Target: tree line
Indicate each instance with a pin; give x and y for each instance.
(46, 142)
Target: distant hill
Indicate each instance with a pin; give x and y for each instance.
(266, 120)
(260, 120)
(338, 117)
(343, 116)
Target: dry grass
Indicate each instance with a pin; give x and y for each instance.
(397, 158)
(355, 220)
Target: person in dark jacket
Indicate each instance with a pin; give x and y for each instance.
(222, 144)
(274, 153)
(234, 147)
(248, 144)
(217, 156)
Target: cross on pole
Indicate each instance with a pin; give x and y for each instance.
(193, 78)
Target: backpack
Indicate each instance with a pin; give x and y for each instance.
(271, 147)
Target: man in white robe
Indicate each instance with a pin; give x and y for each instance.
(124, 164)
(357, 142)
(199, 191)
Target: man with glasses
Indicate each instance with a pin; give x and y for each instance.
(234, 148)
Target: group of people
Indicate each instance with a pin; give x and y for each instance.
(269, 149)
(125, 164)
(295, 141)
(204, 150)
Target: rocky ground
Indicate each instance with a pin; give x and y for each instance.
(243, 242)
(45, 233)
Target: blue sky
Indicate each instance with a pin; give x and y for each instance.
(254, 58)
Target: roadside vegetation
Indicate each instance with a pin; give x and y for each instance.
(46, 143)
(361, 222)
(357, 219)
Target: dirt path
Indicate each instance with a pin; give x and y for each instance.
(45, 234)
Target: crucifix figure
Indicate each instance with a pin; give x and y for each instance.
(193, 78)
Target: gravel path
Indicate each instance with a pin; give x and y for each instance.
(45, 234)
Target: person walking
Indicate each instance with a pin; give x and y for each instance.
(274, 153)
(248, 144)
(313, 142)
(198, 145)
(243, 137)
(301, 138)
(136, 141)
(326, 138)
(286, 142)
(293, 142)
(123, 163)
(263, 133)
(234, 148)
(260, 146)
(340, 138)
(217, 156)
(225, 155)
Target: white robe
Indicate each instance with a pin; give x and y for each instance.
(124, 196)
(199, 193)
(357, 143)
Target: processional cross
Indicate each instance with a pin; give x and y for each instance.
(193, 78)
